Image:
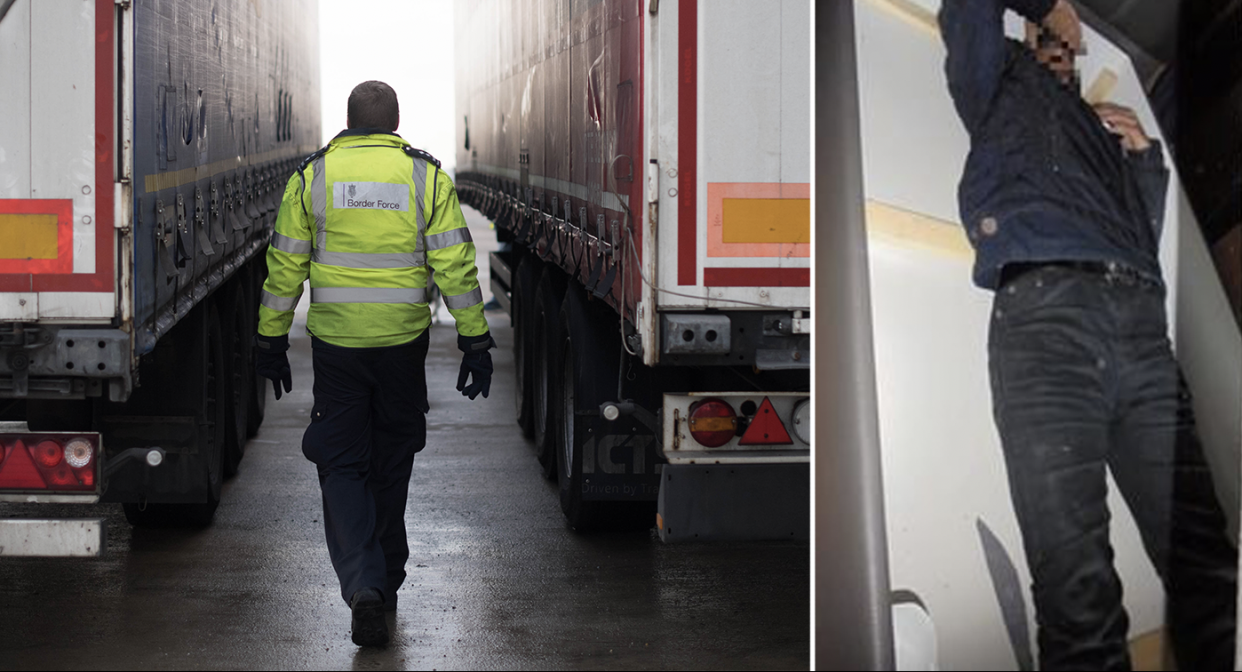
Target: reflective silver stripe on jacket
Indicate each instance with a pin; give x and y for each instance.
(319, 202)
(439, 241)
(291, 245)
(368, 295)
(420, 187)
(280, 304)
(367, 260)
(464, 300)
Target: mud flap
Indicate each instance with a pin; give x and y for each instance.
(622, 466)
(178, 479)
(734, 502)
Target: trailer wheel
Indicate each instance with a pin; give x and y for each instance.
(211, 399)
(523, 344)
(258, 394)
(587, 378)
(544, 358)
(239, 373)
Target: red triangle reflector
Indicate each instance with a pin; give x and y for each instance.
(18, 470)
(765, 428)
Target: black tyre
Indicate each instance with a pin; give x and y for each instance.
(258, 394)
(587, 377)
(239, 373)
(523, 343)
(211, 400)
(545, 357)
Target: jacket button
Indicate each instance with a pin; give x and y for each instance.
(988, 226)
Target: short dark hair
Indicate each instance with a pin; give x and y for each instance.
(373, 104)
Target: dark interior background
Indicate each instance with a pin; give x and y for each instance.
(1188, 54)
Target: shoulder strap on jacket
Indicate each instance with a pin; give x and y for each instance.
(417, 154)
(307, 161)
(420, 154)
(302, 169)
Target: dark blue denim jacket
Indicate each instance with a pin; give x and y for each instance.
(1044, 180)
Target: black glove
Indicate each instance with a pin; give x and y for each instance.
(476, 360)
(271, 362)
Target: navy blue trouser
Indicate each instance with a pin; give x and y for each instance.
(368, 421)
(1084, 379)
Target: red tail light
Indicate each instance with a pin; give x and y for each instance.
(59, 462)
(712, 422)
(48, 453)
(18, 471)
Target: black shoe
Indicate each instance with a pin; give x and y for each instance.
(369, 627)
(390, 603)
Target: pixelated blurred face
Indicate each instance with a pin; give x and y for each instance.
(1053, 52)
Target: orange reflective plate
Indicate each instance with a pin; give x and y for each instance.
(27, 236)
(766, 220)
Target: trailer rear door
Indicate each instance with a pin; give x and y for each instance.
(734, 137)
(58, 105)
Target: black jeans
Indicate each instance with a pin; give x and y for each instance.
(1084, 379)
(368, 421)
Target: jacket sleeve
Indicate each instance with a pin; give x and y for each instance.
(288, 262)
(1153, 183)
(450, 254)
(974, 37)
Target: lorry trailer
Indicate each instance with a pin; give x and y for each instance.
(647, 167)
(144, 149)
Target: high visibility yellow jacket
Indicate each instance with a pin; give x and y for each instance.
(363, 219)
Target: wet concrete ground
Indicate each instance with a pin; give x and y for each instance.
(496, 579)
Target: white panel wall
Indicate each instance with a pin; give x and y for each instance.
(62, 119)
(754, 125)
(76, 305)
(796, 87)
(15, 101)
(740, 92)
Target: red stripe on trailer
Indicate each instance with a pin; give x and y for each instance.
(634, 292)
(105, 146)
(687, 141)
(757, 277)
(15, 282)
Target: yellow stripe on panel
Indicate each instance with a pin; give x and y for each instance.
(161, 181)
(27, 236)
(912, 13)
(915, 229)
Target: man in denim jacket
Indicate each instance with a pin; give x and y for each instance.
(1063, 202)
